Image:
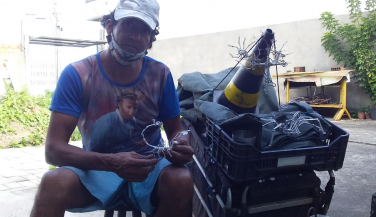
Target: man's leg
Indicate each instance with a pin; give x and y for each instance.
(174, 191)
(59, 190)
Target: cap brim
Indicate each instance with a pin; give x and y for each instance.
(120, 14)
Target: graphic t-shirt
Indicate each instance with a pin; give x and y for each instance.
(112, 115)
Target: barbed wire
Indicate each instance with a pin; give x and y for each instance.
(162, 147)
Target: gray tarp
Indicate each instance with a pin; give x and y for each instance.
(195, 92)
(314, 130)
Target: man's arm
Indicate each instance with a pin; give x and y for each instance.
(128, 165)
(60, 153)
(181, 152)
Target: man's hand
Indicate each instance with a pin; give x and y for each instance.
(131, 166)
(181, 151)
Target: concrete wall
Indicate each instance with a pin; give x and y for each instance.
(210, 54)
(11, 53)
(11, 59)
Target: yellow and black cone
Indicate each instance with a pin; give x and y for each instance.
(242, 93)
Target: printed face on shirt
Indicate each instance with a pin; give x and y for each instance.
(128, 108)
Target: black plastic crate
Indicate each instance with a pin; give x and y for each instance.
(244, 162)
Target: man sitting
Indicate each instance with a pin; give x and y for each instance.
(94, 178)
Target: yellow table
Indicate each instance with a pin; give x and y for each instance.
(322, 78)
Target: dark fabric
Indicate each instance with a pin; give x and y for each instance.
(310, 134)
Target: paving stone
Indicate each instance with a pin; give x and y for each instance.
(9, 172)
(8, 152)
(36, 181)
(12, 180)
(30, 177)
(42, 170)
(18, 166)
(3, 187)
(27, 184)
(33, 172)
(3, 181)
(39, 175)
(76, 143)
(32, 166)
(42, 167)
(13, 185)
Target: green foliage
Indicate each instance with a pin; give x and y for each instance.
(76, 136)
(34, 139)
(353, 44)
(367, 109)
(354, 114)
(29, 111)
(23, 108)
(52, 167)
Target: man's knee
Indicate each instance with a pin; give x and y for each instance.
(177, 180)
(59, 182)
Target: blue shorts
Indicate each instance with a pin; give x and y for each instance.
(113, 191)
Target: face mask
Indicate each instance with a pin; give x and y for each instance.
(122, 57)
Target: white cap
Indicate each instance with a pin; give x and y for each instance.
(145, 10)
